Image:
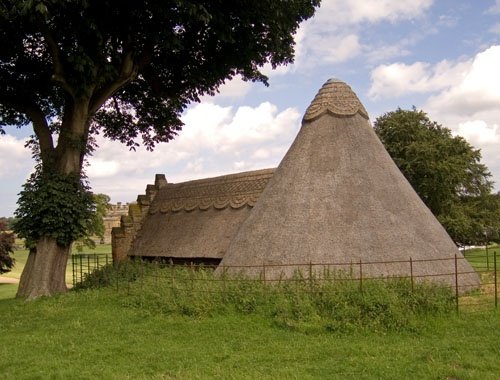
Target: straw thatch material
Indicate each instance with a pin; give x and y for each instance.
(198, 219)
(337, 197)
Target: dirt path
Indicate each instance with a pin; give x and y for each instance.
(8, 280)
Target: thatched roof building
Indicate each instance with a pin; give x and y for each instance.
(195, 221)
(336, 197)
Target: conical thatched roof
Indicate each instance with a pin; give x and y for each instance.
(196, 220)
(337, 197)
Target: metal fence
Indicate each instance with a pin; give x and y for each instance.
(485, 264)
(83, 264)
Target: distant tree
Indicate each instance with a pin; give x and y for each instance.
(125, 69)
(6, 249)
(445, 171)
(96, 227)
(8, 222)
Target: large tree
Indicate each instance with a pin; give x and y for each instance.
(445, 171)
(125, 69)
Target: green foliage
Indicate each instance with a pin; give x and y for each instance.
(445, 171)
(8, 223)
(334, 303)
(96, 227)
(59, 206)
(147, 65)
(6, 249)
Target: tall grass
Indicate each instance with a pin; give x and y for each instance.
(333, 302)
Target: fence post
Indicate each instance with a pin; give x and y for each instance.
(487, 257)
(411, 273)
(310, 277)
(224, 280)
(73, 269)
(456, 283)
(495, 277)
(360, 276)
(81, 266)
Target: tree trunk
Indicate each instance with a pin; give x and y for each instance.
(45, 270)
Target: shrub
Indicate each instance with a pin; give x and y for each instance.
(335, 302)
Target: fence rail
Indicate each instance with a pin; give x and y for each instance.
(485, 264)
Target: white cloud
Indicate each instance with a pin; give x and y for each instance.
(102, 168)
(14, 157)
(495, 8)
(214, 141)
(343, 12)
(478, 132)
(332, 35)
(465, 87)
(233, 89)
(478, 89)
(399, 79)
(387, 52)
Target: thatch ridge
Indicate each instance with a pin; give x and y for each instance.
(233, 190)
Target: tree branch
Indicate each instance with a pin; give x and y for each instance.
(41, 128)
(35, 114)
(58, 75)
(128, 72)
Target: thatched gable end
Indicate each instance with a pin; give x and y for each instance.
(195, 220)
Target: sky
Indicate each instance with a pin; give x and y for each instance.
(441, 56)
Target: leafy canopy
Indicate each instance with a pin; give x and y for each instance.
(445, 171)
(136, 64)
(55, 205)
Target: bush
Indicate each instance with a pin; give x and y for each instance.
(7, 241)
(335, 302)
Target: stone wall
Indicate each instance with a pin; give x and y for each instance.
(123, 235)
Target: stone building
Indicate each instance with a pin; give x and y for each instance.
(112, 219)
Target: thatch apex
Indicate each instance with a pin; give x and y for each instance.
(337, 99)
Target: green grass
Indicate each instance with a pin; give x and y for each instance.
(7, 291)
(94, 334)
(482, 259)
(21, 255)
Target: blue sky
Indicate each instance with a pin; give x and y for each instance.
(443, 56)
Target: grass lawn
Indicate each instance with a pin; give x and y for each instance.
(92, 334)
(482, 259)
(21, 256)
(7, 291)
